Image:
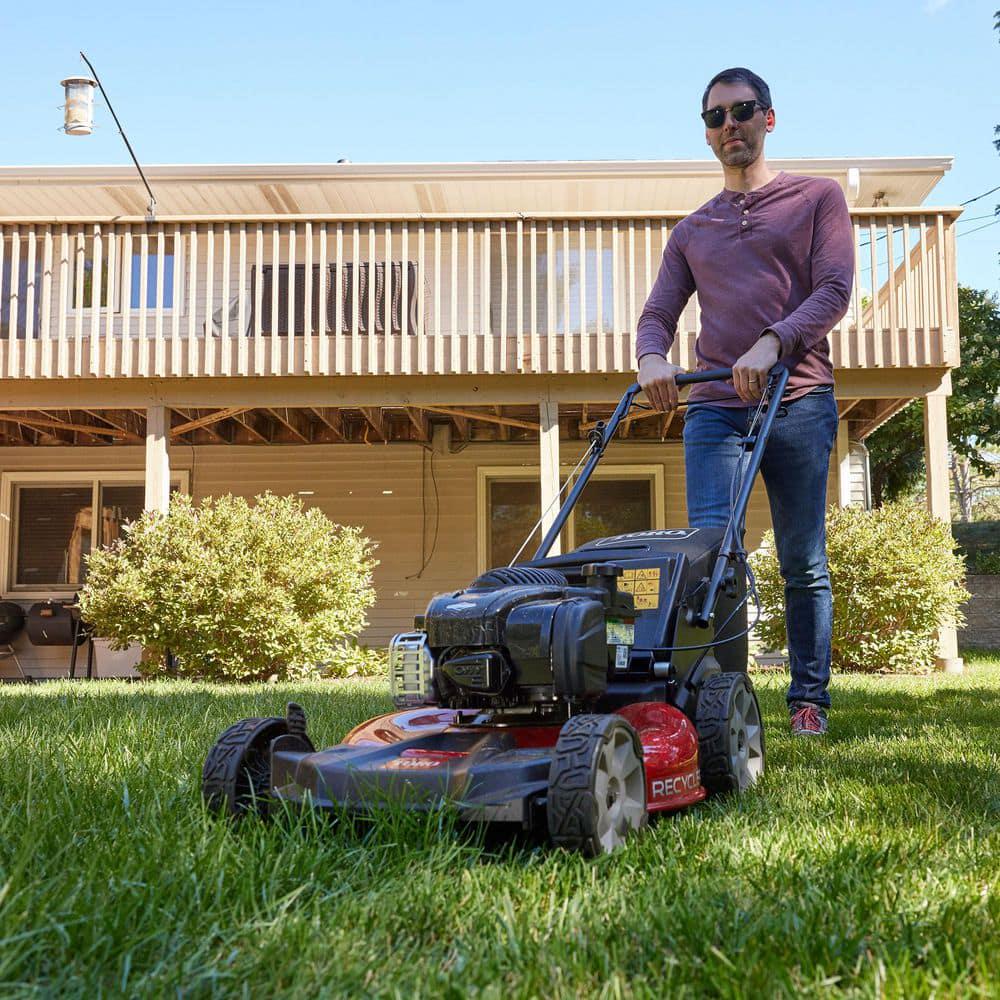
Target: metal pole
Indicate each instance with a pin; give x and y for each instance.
(151, 208)
(732, 543)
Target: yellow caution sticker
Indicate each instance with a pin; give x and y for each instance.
(643, 585)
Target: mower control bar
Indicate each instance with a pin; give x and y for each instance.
(603, 433)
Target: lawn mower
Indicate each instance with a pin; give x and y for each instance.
(575, 694)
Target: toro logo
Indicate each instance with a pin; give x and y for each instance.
(411, 763)
(665, 787)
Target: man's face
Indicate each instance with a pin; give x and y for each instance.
(737, 144)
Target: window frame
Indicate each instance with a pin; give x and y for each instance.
(9, 483)
(652, 473)
(123, 298)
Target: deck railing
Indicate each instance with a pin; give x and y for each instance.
(291, 296)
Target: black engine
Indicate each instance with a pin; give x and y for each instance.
(525, 635)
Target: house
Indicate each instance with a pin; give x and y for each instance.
(418, 349)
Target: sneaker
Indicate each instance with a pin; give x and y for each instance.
(809, 720)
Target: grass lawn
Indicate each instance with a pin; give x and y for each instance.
(867, 864)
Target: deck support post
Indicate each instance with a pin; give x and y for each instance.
(843, 466)
(548, 438)
(157, 459)
(939, 503)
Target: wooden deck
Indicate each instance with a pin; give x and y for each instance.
(433, 295)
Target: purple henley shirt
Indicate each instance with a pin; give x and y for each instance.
(780, 258)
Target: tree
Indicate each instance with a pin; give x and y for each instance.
(896, 449)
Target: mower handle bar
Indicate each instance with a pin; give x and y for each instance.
(732, 541)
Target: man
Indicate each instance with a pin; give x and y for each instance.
(772, 260)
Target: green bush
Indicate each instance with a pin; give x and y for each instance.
(235, 591)
(352, 660)
(986, 563)
(895, 579)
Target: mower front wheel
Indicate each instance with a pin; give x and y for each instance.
(730, 733)
(236, 778)
(597, 785)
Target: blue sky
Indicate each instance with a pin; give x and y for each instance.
(385, 81)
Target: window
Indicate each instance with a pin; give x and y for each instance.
(83, 274)
(349, 301)
(53, 527)
(613, 507)
(16, 291)
(615, 501)
(152, 275)
(569, 266)
(514, 507)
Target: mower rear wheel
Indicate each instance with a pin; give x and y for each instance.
(597, 785)
(730, 734)
(236, 778)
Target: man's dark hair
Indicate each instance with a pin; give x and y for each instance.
(739, 75)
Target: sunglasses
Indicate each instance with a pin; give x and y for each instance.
(742, 111)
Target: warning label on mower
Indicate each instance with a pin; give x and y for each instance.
(643, 585)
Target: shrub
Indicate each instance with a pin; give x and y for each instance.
(352, 660)
(986, 563)
(234, 591)
(895, 579)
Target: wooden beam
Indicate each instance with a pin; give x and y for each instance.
(249, 423)
(488, 418)
(939, 506)
(157, 459)
(504, 428)
(209, 429)
(420, 422)
(48, 422)
(631, 418)
(548, 441)
(354, 391)
(332, 420)
(121, 419)
(376, 419)
(294, 422)
(846, 405)
(204, 421)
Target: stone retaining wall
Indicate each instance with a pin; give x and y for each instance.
(982, 613)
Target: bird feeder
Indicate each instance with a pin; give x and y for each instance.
(79, 105)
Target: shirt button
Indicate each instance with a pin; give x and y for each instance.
(744, 222)
(746, 211)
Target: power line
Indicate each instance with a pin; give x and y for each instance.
(978, 196)
(969, 232)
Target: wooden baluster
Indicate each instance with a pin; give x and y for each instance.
(502, 338)
(536, 342)
(181, 279)
(307, 305)
(617, 298)
(192, 297)
(470, 303)
(225, 332)
(925, 292)
(62, 350)
(584, 332)
(160, 347)
(96, 287)
(45, 324)
(601, 333)
(322, 289)
(567, 337)
(422, 361)
(242, 359)
(29, 304)
(290, 366)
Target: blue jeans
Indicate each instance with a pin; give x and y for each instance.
(795, 466)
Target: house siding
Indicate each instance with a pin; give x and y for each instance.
(347, 483)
